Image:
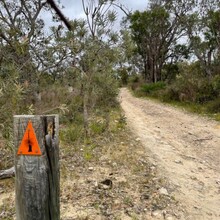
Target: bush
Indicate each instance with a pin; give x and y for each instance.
(216, 84)
(169, 72)
(206, 93)
(134, 82)
(123, 74)
(152, 87)
(170, 94)
(98, 127)
(214, 106)
(134, 79)
(71, 134)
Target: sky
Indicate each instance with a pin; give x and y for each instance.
(73, 9)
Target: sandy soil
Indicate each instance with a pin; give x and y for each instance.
(186, 149)
(159, 163)
(107, 177)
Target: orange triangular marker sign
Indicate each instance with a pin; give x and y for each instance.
(29, 144)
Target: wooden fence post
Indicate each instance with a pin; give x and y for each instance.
(37, 172)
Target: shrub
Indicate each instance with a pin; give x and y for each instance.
(134, 82)
(71, 134)
(214, 106)
(134, 79)
(216, 84)
(152, 87)
(169, 72)
(123, 74)
(98, 127)
(170, 94)
(206, 92)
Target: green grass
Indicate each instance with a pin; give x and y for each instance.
(201, 109)
(210, 109)
(152, 87)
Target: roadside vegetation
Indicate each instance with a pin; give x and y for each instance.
(176, 52)
(201, 97)
(169, 51)
(53, 70)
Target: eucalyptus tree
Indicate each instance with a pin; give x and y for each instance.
(204, 36)
(156, 32)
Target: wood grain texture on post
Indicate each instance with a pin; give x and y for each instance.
(37, 174)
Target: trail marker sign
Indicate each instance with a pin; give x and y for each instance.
(29, 144)
(37, 182)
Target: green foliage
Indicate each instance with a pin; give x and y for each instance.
(75, 109)
(88, 153)
(206, 93)
(152, 87)
(214, 106)
(71, 134)
(146, 27)
(216, 84)
(121, 122)
(185, 87)
(191, 86)
(170, 94)
(126, 49)
(64, 72)
(135, 81)
(98, 127)
(12, 101)
(134, 78)
(105, 90)
(169, 72)
(123, 74)
(190, 89)
(156, 32)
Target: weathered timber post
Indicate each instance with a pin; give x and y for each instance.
(36, 140)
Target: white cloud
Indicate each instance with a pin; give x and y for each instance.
(73, 10)
(135, 4)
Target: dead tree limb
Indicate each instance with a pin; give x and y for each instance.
(7, 173)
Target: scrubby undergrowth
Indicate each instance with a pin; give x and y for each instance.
(194, 94)
(104, 176)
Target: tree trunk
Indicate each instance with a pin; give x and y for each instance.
(85, 113)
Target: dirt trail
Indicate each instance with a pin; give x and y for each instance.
(186, 149)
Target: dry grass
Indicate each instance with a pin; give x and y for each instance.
(105, 177)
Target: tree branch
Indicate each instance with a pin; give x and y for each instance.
(7, 173)
(59, 13)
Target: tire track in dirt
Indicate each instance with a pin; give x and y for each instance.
(185, 147)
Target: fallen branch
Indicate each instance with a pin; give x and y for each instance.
(204, 139)
(7, 173)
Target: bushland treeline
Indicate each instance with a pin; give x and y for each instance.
(176, 46)
(173, 45)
